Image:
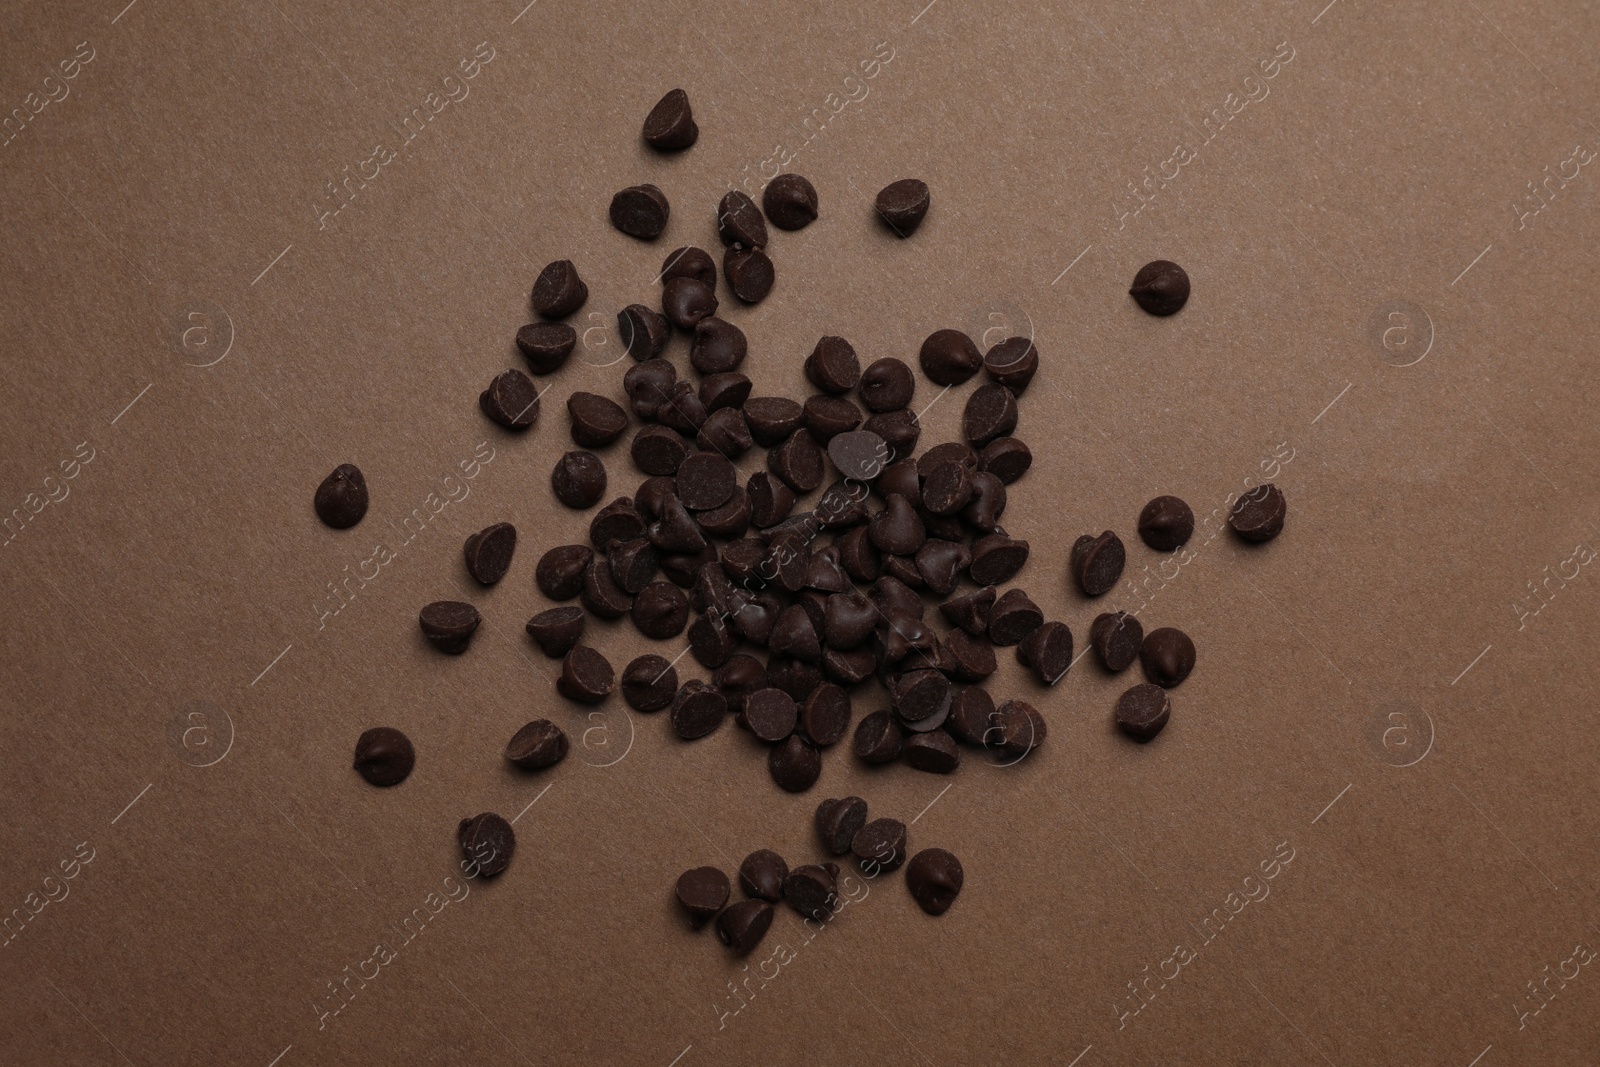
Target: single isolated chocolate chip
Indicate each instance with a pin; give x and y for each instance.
(1013, 617)
(670, 126)
(902, 205)
(1167, 656)
(934, 878)
(560, 572)
(749, 272)
(546, 345)
(488, 552)
(739, 222)
(384, 756)
(971, 715)
(790, 202)
(642, 330)
(949, 357)
(795, 764)
(1166, 523)
(811, 890)
(878, 738)
(556, 630)
(1097, 562)
(761, 875)
(649, 683)
(697, 710)
(487, 841)
(1006, 458)
(996, 558)
(1258, 515)
(686, 300)
(1012, 363)
(596, 420)
(991, 412)
(833, 367)
(1143, 711)
(1048, 651)
(579, 480)
(706, 480)
(770, 714)
(701, 892)
(1116, 638)
(772, 418)
(741, 926)
(934, 752)
(586, 676)
(640, 211)
(559, 291)
(538, 745)
(838, 822)
(341, 498)
(511, 400)
(449, 625)
(690, 262)
(660, 611)
(880, 846)
(1161, 287)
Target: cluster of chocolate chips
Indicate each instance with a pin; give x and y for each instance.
(832, 587)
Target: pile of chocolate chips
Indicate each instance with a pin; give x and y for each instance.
(827, 560)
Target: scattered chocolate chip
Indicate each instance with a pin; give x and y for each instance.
(1007, 458)
(487, 841)
(850, 667)
(601, 595)
(658, 451)
(1258, 515)
(971, 715)
(941, 564)
(1016, 728)
(1013, 617)
(725, 431)
(858, 557)
(1012, 363)
(934, 878)
(1048, 651)
(829, 416)
(949, 357)
(795, 677)
(686, 300)
(690, 262)
(794, 763)
(559, 291)
(511, 400)
(1167, 656)
(341, 498)
(772, 419)
(701, 892)
(1143, 711)
(934, 752)
(586, 676)
(660, 611)
(739, 222)
(1166, 523)
(770, 714)
(1160, 287)
(683, 410)
(560, 572)
(449, 625)
(596, 420)
(697, 710)
(878, 738)
(826, 716)
(920, 698)
(488, 552)
(649, 683)
(670, 126)
(718, 347)
(833, 366)
(793, 635)
(711, 641)
(706, 480)
(798, 461)
(887, 385)
(1116, 638)
(838, 822)
(556, 630)
(537, 745)
(970, 611)
(880, 846)
(642, 330)
(640, 211)
(649, 385)
(899, 430)
(741, 926)
(384, 756)
(749, 272)
(790, 202)
(578, 480)
(761, 875)
(971, 659)
(811, 890)
(897, 529)
(946, 488)
(903, 204)
(991, 412)
(996, 558)
(546, 345)
(1097, 562)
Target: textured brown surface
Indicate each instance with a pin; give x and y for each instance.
(165, 214)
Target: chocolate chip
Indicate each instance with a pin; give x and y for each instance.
(1016, 728)
(997, 558)
(858, 557)
(676, 531)
(749, 272)
(586, 676)
(670, 126)
(660, 611)
(1143, 711)
(596, 420)
(825, 574)
(738, 678)
(690, 262)
(798, 462)
(811, 891)
(904, 568)
(988, 503)
(732, 519)
(384, 756)
(971, 715)
(887, 385)
(849, 620)
(537, 745)
(559, 291)
(1012, 363)
(711, 641)
(991, 412)
(739, 222)
(761, 875)
(546, 345)
(1048, 650)
(949, 357)
(770, 714)
(649, 683)
(1258, 515)
(341, 498)
(878, 738)
(649, 385)
(724, 390)
(970, 611)
(725, 431)
(683, 410)
(1007, 458)
(902, 205)
(685, 301)
(601, 595)
(617, 521)
(796, 677)
(1160, 287)
(511, 400)
(640, 211)
(718, 346)
(770, 500)
(1116, 638)
(899, 430)
(934, 878)
(642, 330)
(741, 926)
(790, 202)
(971, 659)
(1166, 523)
(826, 716)
(793, 635)
(941, 564)
(838, 822)
(795, 765)
(449, 625)
(946, 488)
(697, 710)
(772, 419)
(897, 529)
(1167, 656)
(560, 572)
(706, 480)
(701, 893)
(833, 366)
(487, 841)
(578, 480)
(556, 630)
(1097, 562)
(1013, 617)
(880, 846)
(934, 752)
(658, 451)
(901, 477)
(850, 667)
(488, 552)
(919, 696)
(829, 416)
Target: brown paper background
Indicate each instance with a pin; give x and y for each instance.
(177, 182)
